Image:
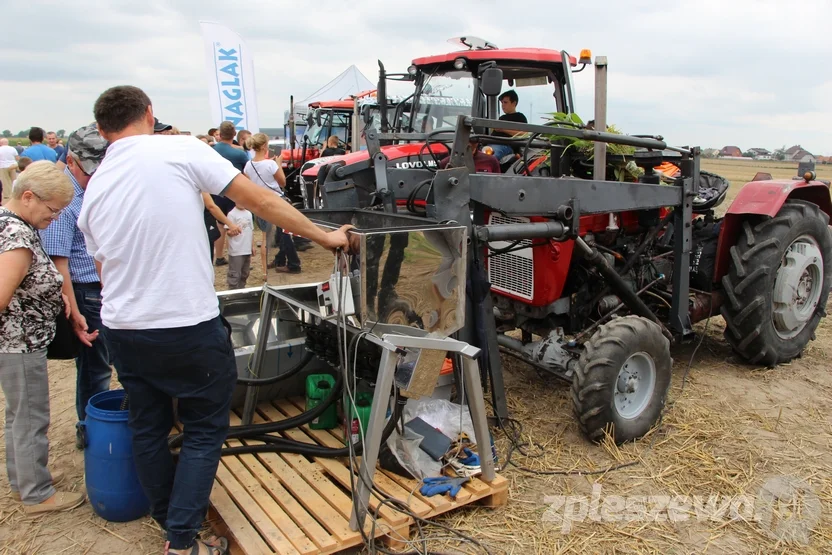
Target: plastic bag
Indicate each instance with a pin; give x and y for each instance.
(449, 418)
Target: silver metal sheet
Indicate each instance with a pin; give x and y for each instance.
(411, 271)
(285, 348)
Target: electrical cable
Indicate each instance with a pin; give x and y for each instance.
(514, 438)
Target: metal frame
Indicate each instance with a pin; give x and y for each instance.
(392, 344)
(464, 193)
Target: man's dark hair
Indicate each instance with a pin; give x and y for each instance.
(36, 135)
(212, 130)
(120, 106)
(227, 131)
(511, 95)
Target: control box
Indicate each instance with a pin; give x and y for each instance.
(330, 296)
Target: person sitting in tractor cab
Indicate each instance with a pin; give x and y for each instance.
(483, 163)
(332, 147)
(508, 102)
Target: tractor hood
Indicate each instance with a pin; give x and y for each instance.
(405, 156)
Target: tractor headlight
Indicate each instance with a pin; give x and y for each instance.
(459, 63)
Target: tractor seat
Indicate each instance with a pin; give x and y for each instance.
(712, 191)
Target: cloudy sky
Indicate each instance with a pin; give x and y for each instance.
(742, 72)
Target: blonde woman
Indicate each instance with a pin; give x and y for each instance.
(30, 301)
(267, 173)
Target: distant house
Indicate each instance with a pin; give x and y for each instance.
(803, 156)
(792, 150)
(731, 152)
(759, 152)
(824, 160)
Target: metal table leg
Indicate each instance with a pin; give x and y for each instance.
(372, 439)
(474, 395)
(259, 356)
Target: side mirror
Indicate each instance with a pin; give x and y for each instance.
(491, 82)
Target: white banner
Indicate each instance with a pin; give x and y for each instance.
(230, 66)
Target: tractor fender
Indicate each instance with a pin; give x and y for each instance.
(764, 198)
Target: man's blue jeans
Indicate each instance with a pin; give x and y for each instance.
(195, 365)
(501, 151)
(92, 365)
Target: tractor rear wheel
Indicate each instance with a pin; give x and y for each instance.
(778, 283)
(621, 381)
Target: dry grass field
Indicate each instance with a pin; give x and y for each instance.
(731, 433)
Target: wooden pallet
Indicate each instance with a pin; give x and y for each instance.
(291, 504)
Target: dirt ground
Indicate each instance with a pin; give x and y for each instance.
(732, 430)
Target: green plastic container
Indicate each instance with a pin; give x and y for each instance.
(318, 388)
(360, 412)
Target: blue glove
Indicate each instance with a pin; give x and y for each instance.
(470, 459)
(441, 485)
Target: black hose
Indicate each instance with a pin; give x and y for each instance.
(282, 445)
(411, 198)
(251, 430)
(307, 357)
(648, 240)
(614, 281)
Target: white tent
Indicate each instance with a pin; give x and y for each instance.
(350, 82)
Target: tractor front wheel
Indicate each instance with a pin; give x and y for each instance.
(622, 378)
(778, 283)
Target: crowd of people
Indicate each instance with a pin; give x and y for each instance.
(83, 236)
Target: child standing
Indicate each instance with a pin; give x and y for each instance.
(240, 247)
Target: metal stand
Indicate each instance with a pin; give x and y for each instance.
(391, 344)
(381, 397)
(269, 305)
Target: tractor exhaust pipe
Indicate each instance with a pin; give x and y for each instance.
(382, 97)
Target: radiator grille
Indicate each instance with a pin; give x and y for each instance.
(512, 272)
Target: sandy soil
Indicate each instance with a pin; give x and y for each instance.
(730, 430)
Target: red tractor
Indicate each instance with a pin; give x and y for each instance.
(593, 270)
(323, 120)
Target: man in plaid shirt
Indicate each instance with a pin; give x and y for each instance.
(64, 242)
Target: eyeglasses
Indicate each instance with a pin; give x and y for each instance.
(55, 213)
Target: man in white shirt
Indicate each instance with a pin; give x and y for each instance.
(8, 167)
(143, 223)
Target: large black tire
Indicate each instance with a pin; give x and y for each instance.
(753, 328)
(606, 358)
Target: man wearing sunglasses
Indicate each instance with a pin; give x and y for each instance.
(65, 243)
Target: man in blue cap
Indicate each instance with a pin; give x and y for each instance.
(64, 242)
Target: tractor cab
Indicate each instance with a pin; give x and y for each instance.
(541, 78)
(418, 129)
(326, 119)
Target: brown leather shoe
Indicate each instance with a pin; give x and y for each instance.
(57, 477)
(61, 501)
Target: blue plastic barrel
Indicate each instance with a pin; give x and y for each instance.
(112, 483)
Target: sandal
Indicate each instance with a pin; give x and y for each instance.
(216, 546)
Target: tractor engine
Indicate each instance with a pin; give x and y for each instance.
(544, 289)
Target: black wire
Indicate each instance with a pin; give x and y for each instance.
(517, 428)
(514, 439)
(403, 508)
(514, 246)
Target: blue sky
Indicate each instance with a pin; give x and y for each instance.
(747, 73)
